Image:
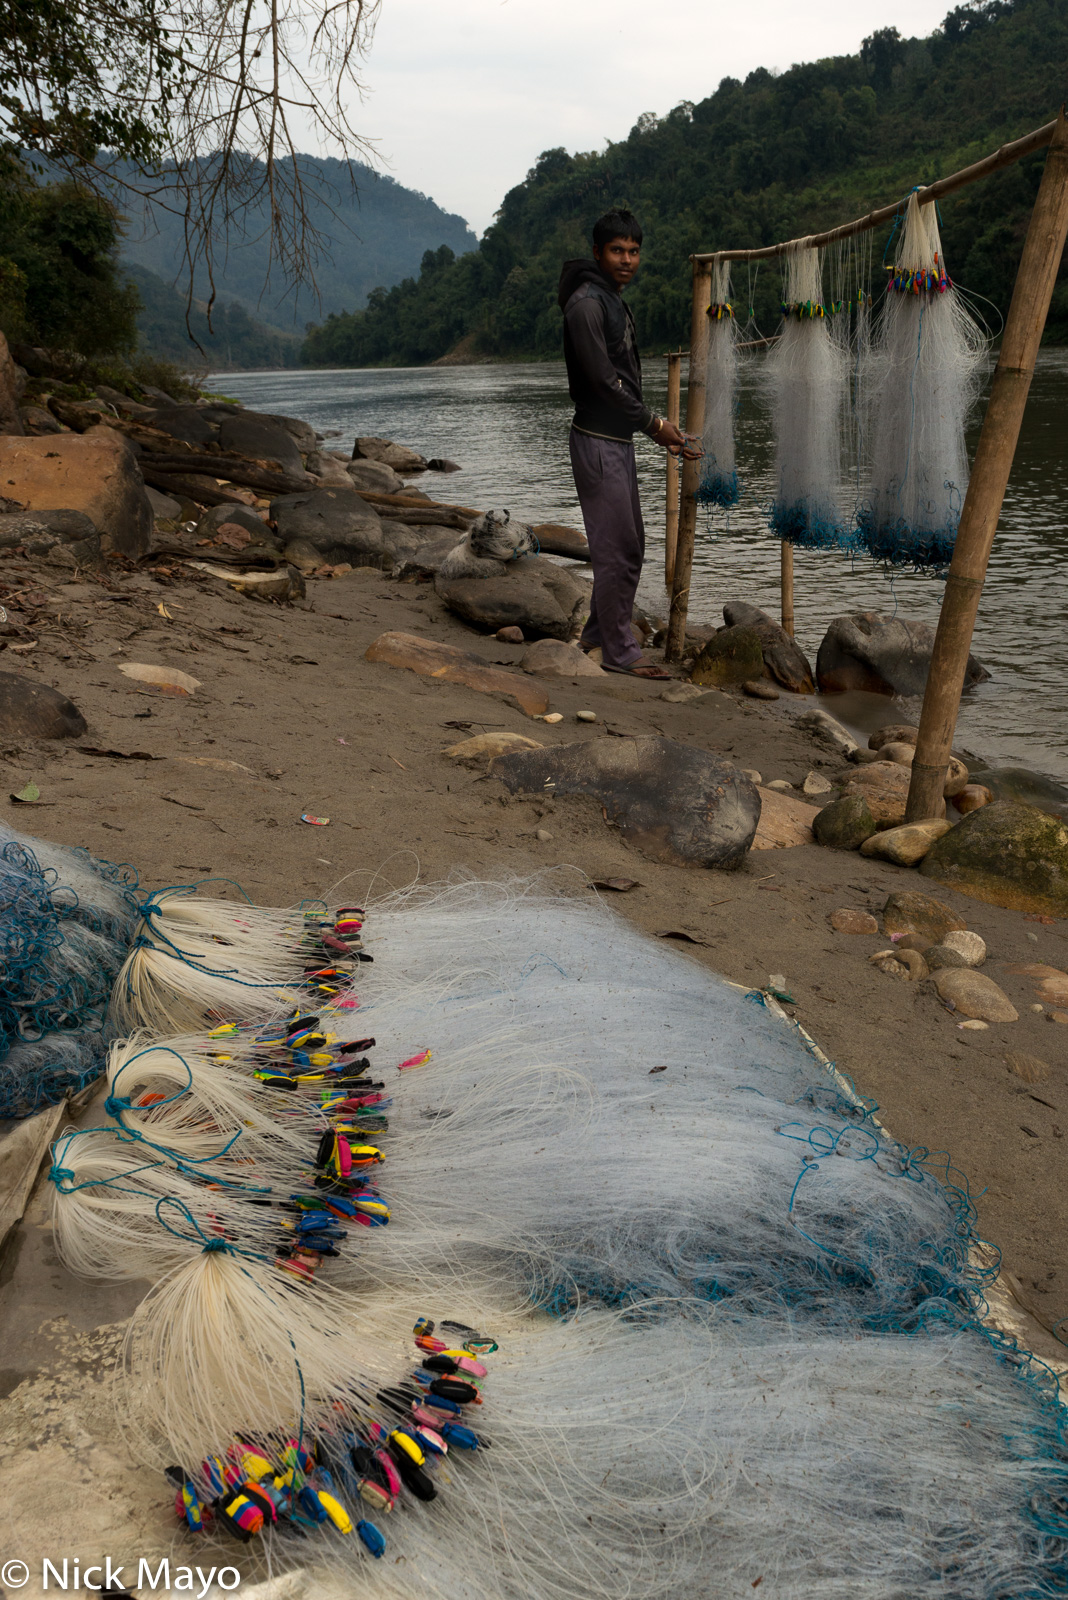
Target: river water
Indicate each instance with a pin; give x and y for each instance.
(507, 427)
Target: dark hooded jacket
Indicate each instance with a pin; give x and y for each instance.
(604, 370)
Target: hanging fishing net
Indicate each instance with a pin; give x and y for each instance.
(719, 479)
(806, 380)
(922, 379)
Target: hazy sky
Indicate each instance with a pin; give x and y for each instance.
(463, 95)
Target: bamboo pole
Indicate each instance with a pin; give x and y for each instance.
(1005, 156)
(1031, 295)
(691, 470)
(786, 585)
(672, 467)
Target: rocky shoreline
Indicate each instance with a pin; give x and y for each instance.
(222, 659)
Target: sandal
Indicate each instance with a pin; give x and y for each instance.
(646, 670)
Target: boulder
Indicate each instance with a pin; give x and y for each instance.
(554, 539)
(845, 823)
(445, 662)
(12, 383)
(553, 658)
(908, 844)
(164, 506)
(784, 821)
(94, 473)
(374, 475)
(673, 802)
(783, 656)
(36, 421)
(443, 464)
(827, 731)
(486, 747)
(759, 689)
(1019, 783)
(731, 656)
(532, 593)
(397, 456)
(188, 423)
(974, 995)
(882, 655)
(245, 433)
(940, 955)
(30, 710)
(302, 433)
(62, 538)
(242, 517)
(336, 523)
(1008, 854)
(884, 785)
(909, 911)
(328, 469)
(417, 552)
(894, 733)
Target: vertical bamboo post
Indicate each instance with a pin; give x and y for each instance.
(672, 467)
(691, 470)
(786, 585)
(1031, 295)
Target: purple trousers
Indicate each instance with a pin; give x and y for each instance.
(606, 478)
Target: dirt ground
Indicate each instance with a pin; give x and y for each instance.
(289, 718)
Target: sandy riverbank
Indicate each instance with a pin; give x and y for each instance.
(290, 718)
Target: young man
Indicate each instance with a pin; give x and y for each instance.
(604, 377)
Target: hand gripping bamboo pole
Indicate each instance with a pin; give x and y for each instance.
(691, 470)
(1031, 296)
(672, 469)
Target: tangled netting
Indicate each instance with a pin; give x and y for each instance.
(806, 377)
(66, 919)
(762, 1364)
(922, 380)
(719, 479)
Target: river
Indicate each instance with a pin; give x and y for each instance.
(507, 426)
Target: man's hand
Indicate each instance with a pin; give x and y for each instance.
(677, 443)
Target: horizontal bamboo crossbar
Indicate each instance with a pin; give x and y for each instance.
(1003, 157)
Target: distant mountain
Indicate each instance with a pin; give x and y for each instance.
(372, 239)
(779, 155)
(235, 341)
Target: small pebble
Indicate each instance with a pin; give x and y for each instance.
(585, 716)
(543, 836)
(1037, 1007)
(973, 1025)
(753, 775)
(1033, 937)
(511, 635)
(780, 784)
(553, 716)
(969, 945)
(816, 783)
(760, 689)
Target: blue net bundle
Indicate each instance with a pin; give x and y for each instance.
(66, 920)
(719, 484)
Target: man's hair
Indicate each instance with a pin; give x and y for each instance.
(616, 225)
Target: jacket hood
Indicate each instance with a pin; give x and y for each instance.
(575, 273)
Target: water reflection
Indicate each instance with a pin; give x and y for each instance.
(507, 426)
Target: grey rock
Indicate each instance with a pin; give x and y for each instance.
(894, 733)
(62, 538)
(759, 689)
(337, 523)
(882, 655)
(975, 995)
(827, 731)
(554, 658)
(248, 434)
(417, 552)
(187, 423)
(731, 656)
(164, 506)
(673, 802)
(36, 420)
(783, 656)
(302, 433)
(555, 539)
(35, 711)
(845, 823)
(910, 911)
(1019, 783)
(374, 475)
(443, 464)
(244, 516)
(533, 593)
(940, 955)
(159, 397)
(397, 456)
(328, 469)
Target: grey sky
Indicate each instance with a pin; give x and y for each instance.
(463, 95)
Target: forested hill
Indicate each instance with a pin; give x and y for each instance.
(371, 236)
(756, 162)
